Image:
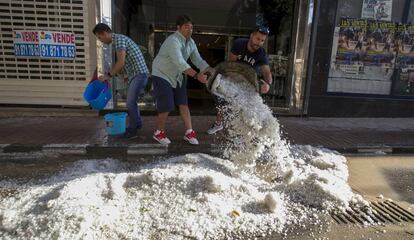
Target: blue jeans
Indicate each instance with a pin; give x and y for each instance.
(136, 86)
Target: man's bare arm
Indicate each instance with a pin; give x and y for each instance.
(266, 73)
(267, 76)
(120, 62)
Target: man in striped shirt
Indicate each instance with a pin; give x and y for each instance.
(129, 60)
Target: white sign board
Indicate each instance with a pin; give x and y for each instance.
(44, 44)
(377, 9)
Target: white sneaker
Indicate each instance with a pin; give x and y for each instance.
(191, 137)
(161, 137)
(215, 128)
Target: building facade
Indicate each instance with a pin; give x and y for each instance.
(328, 58)
(216, 25)
(53, 81)
(46, 81)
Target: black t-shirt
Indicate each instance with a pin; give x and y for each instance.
(254, 59)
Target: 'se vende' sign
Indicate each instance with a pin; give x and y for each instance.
(44, 44)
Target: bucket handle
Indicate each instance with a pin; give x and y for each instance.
(107, 85)
(106, 82)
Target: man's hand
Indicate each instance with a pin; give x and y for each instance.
(202, 77)
(208, 71)
(104, 77)
(264, 87)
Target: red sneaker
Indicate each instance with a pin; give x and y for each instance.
(161, 137)
(191, 137)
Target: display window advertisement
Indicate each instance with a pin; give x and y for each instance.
(373, 48)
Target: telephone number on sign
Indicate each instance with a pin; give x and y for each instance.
(26, 50)
(57, 51)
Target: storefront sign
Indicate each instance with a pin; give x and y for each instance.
(377, 9)
(44, 44)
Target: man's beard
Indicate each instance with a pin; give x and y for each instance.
(255, 47)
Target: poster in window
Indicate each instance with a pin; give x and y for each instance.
(367, 42)
(410, 15)
(363, 57)
(378, 46)
(350, 41)
(377, 9)
(404, 44)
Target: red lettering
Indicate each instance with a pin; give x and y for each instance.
(54, 37)
(63, 38)
(30, 37)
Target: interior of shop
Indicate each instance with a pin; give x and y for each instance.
(216, 24)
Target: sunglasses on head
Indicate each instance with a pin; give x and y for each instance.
(262, 29)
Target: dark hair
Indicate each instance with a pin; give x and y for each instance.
(183, 19)
(262, 29)
(100, 28)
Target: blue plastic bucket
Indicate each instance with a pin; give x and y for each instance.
(115, 123)
(97, 94)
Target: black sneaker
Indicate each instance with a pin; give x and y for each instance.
(129, 135)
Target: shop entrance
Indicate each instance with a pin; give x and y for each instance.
(214, 36)
(212, 48)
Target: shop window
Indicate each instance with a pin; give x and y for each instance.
(216, 24)
(373, 48)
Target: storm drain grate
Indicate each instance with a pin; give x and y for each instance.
(386, 212)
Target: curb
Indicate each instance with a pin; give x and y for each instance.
(157, 149)
(381, 149)
(75, 149)
(3, 146)
(105, 150)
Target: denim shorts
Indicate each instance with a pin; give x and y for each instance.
(166, 97)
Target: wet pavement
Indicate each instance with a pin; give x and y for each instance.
(385, 176)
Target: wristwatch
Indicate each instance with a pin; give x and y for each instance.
(264, 81)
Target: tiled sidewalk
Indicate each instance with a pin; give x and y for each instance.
(344, 134)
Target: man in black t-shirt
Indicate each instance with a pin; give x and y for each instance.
(249, 51)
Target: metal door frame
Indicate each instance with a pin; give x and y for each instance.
(298, 70)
